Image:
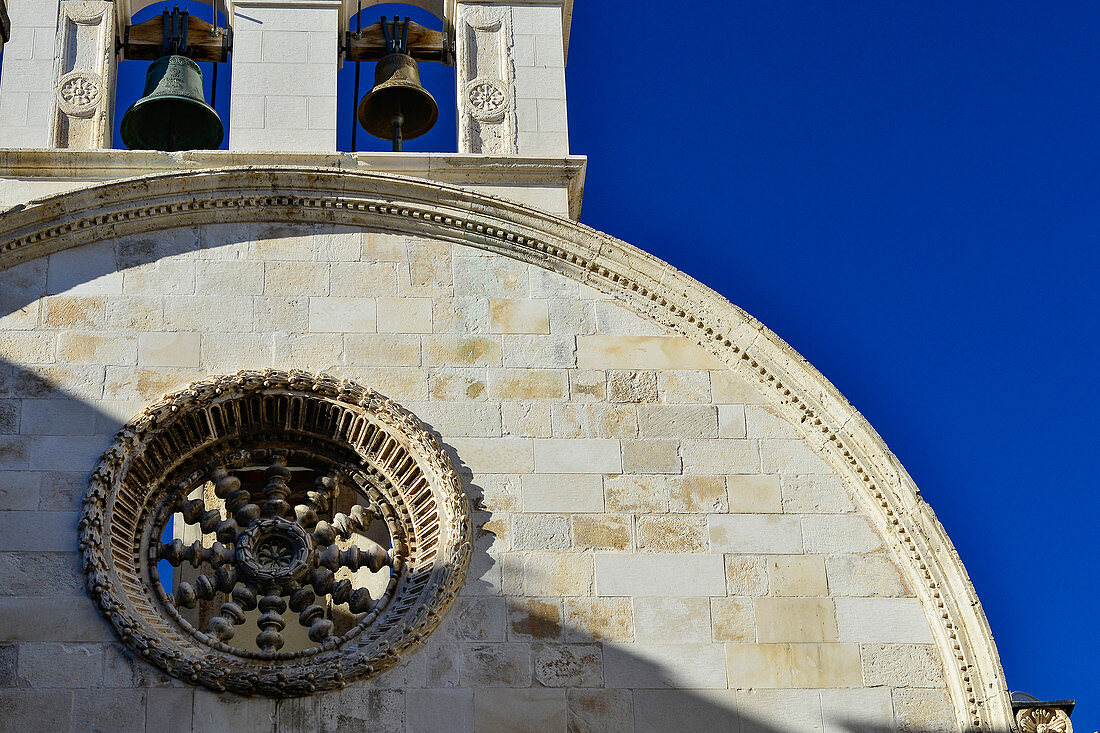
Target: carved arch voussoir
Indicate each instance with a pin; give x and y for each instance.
(412, 206)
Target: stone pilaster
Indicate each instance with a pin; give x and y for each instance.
(83, 102)
(511, 78)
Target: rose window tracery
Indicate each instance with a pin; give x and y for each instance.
(274, 533)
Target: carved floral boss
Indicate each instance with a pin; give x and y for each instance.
(290, 485)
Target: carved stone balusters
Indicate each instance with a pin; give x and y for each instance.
(277, 489)
(272, 608)
(238, 502)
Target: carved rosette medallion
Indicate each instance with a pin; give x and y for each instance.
(79, 92)
(1043, 720)
(487, 99)
(274, 533)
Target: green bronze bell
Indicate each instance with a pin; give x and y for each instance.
(173, 115)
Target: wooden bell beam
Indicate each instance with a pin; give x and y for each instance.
(144, 41)
(369, 44)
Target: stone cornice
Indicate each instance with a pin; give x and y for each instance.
(454, 168)
(836, 430)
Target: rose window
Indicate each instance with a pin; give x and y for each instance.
(274, 533)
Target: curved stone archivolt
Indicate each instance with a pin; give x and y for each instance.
(654, 288)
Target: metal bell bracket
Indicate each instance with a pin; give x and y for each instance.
(175, 33)
(395, 44)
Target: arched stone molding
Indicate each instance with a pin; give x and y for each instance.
(402, 205)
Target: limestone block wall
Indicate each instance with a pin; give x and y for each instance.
(656, 548)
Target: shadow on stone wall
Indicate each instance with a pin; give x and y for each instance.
(495, 664)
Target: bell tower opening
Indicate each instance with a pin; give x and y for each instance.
(173, 78)
(367, 75)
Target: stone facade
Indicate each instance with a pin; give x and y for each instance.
(653, 533)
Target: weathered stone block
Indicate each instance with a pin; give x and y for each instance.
(427, 711)
(342, 315)
(37, 709)
(534, 619)
(731, 388)
(600, 711)
(720, 456)
(577, 456)
(120, 710)
(791, 456)
(672, 533)
(678, 421)
(923, 711)
(381, 350)
(840, 533)
(569, 665)
(358, 709)
(892, 620)
(297, 278)
(604, 619)
(168, 349)
(60, 665)
(83, 347)
(493, 455)
(858, 575)
(528, 384)
(780, 711)
(632, 493)
(404, 315)
(902, 665)
(651, 456)
(534, 710)
(74, 312)
(775, 534)
(795, 619)
(731, 421)
(539, 352)
(563, 492)
(665, 620)
(660, 575)
(631, 386)
(798, 575)
(496, 665)
(224, 711)
(557, 574)
(458, 350)
(746, 575)
(642, 352)
(733, 619)
(540, 532)
(526, 419)
(663, 666)
(659, 711)
(601, 532)
(815, 495)
(847, 710)
(684, 386)
(519, 316)
(754, 494)
(587, 420)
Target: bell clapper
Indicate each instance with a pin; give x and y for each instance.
(398, 120)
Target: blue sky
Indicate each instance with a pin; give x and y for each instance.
(907, 194)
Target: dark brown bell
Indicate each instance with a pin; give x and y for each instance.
(398, 106)
(173, 115)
